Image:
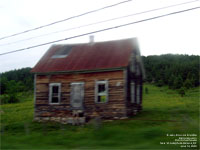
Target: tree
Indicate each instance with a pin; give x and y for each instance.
(171, 81)
(11, 91)
(188, 84)
(3, 83)
(178, 82)
(169, 67)
(22, 77)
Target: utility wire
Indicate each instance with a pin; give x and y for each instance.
(86, 13)
(86, 25)
(102, 30)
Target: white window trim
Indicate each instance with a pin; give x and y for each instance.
(50, 92)
(98, 94)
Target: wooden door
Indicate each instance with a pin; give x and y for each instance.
(77, 95)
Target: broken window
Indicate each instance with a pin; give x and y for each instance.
(54, 93)
(101, 91)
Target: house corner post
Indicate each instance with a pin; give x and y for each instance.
(34, 113)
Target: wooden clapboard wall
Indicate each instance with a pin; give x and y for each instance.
(115, 107)
(134, 76)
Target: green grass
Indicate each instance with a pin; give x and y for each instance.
(164, 112)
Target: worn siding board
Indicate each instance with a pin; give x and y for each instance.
(133, 77)
(115, 105)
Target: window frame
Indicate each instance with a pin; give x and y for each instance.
(97, 89)
(51, 90)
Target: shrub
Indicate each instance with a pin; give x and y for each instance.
(178, 82)
(188, 84)
(181, 91)
(4, 99)
(12, 98)
(160, 83)
(146, 90)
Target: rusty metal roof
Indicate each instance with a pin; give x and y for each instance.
(89, 56)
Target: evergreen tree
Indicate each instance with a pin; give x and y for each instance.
(178, 82)
(188, 84)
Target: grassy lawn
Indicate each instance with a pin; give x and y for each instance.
(164, 112)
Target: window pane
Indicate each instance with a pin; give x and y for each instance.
(101, 88)
(55, 89)
(102, 98)
(54, 100)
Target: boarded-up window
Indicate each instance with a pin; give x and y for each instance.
(101, 91)
(77, 95)
(54, 93)
(132, 92)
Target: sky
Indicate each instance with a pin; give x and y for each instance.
(175, 34)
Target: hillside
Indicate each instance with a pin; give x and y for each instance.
(176, 71)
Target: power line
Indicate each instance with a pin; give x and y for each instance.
(86, 25)
(106, 29)
(86, 13)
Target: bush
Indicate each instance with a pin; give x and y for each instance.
(178, 82)
(160, 83)
(4, 99)
(181, 91)
(188, 84)
(146, 90)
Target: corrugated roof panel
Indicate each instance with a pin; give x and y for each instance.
(101, 55)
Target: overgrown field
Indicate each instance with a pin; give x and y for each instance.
(164, 112)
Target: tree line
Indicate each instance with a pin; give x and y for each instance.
(14, 82)
(174, 71)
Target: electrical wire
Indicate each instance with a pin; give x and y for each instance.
(86, 13)
(102, 30)
(95, 23)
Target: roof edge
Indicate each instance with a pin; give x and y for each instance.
(82, 71)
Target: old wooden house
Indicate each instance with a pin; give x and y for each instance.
(84, 81)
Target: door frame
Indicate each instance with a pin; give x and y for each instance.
(83, 95)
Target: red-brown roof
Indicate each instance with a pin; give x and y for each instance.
(89, 56)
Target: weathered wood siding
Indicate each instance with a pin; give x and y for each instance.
(115, 107)
(133, 74)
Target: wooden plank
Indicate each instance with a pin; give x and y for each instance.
(115, 88)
